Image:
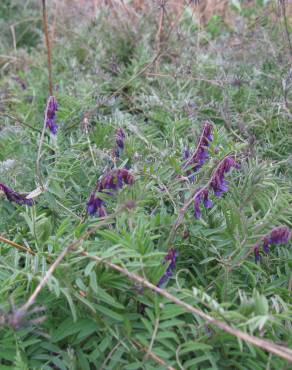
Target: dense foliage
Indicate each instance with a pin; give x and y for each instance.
(136, 111)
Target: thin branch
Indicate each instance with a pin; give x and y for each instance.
(266, 345)
(48, 46)
(190, 78)
(17, 246)
(154, 357)
(153, 337)
(160, 26)
(4, 114)
(153, 60)
(109, 356)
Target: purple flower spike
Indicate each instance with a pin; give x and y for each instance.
(196, 160)
(202, 196)
(279, 235)
(218, 183)
(171, 256)
(13, 196)
(197, 209)
(93, 204)
(52, 107)
(113, 180)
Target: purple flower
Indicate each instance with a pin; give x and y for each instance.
(196, 160)
(171, 256)
(52, 107)
(93, 204)
(279, 235)
(13, 196)
(202, 196)
(113, 180)
(218, 183)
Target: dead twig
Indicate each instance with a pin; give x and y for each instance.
(48, 46)
(160, 25)
(154, 357)
(20, 121)
(17, 246)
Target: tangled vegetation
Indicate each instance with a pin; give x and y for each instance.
(145, 207)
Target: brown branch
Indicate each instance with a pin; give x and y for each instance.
(266, 345)
(160, 25)
(154, 357)
(48, 46)
(17, 246)
(4, 114)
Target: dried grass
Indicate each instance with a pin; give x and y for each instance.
(204, 9)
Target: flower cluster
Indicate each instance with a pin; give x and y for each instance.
(13, 196)
(113, 180)
(196, 160)
(279, 235)
(171, 256)
(217, 183)
(52, 107)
